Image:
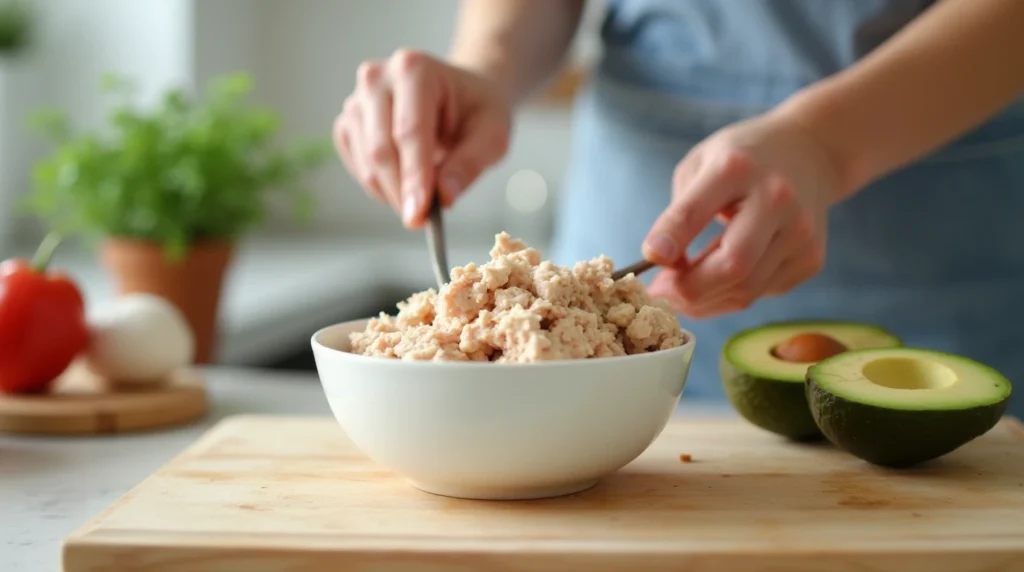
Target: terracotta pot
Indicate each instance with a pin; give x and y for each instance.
(194, 283)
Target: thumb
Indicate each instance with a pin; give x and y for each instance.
(696, 200)
(675, 228)
(482, 142)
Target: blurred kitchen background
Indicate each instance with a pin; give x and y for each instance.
(354, 259)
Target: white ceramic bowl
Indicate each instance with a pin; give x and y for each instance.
(500, 431)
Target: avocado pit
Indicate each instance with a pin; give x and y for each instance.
(808, 347)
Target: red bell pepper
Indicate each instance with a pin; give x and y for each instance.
(43, 326)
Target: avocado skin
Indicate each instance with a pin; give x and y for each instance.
(897, 438)
(776, 406)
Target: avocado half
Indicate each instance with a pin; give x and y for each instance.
(898, 407)
(768, 391)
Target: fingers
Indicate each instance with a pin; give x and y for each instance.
(696, 200)
(414, 131)
(744, 243)
(348, 140)
(744, 293)
(414, 125)
(663, 286)
(790, 259)
(373, 92)
(481, 143)
(386, 134)
(728, 213)
(666, 282)
(801, 267)
(342, 140)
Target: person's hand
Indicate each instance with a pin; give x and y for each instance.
(770, 185)
(415, 124)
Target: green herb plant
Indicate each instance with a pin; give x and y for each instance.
(190, 169)
(17, 22)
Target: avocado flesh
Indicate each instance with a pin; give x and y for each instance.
(769, 392)
(898, 407)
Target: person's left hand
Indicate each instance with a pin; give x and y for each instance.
(770, 185)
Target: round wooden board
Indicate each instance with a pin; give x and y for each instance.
(82, 404)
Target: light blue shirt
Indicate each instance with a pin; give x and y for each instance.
(934, 251)
(703, 49)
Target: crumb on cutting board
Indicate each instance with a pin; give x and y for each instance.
(685, 457)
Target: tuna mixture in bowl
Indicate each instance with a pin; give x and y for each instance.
(516, 308)
(518, 380)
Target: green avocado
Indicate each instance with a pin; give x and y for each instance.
(768, 391)
(898, 407)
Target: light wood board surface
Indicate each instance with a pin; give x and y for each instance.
(82, 404)
(274, 494)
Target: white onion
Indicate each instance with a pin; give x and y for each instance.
(138, 339)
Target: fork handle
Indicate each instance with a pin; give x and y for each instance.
(436, 242)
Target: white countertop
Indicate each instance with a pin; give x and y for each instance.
(280, 287)
(49, 487)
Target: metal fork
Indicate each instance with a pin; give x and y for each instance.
(439, 250)
(636, 268)
(436, 242)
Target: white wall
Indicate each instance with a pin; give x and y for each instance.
(80, 40)
(226, 38)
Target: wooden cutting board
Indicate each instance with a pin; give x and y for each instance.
(81, 403)
(264, 494)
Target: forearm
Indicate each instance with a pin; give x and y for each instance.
(516, 43)
(955, 67)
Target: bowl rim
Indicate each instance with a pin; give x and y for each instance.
(686, 348)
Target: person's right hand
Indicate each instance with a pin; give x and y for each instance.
(415, 124)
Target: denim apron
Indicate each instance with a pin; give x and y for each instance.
(933, 251)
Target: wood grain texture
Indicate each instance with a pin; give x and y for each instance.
(262, 494)
(83, 404)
